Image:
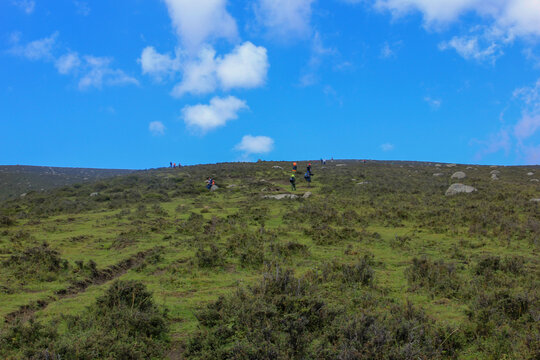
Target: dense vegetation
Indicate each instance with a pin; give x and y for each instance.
(376, 264)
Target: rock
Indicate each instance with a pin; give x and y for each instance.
(535, 200)
(530, 174)
(438, 174)
(451, 165)
(307, 194)
(437, 165)
(496, 172)
(469, 167)
(494, 177)
(535, 180)
(458, 189)
(493, 166)
(214, 188)
(362, 183)
(23, 195)
(281, 196)
(277, 167)
(232, 186)
(459, 175)
(353, 179)
(341, 164)
(94, 194)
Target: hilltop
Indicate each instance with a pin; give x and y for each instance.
(16, 180)
(373, 261)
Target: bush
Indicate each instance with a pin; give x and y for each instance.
(437, 276)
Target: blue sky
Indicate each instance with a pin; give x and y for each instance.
(140, 83)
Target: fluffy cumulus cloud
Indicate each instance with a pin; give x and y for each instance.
(203, 118)
(255, 145)
(156, 128)
(503, 21)
(158, 65)
(199, 21)
(514, 17)
(285, 19)
(245, 67)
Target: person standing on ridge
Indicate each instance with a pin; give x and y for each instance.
(293, 182)
(307, 177)
(294, 167)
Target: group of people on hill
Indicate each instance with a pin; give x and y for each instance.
(307, 175)
(173, 165)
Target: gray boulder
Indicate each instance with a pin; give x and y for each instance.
(214, 188)
(455, 189)
(535, 200)
(362, 183)
(277, 167)
(438, 174)
(495, 172)
(341, 164)
(231, 186)
(451, 165)
(535, 180)
(494, 177)
(307, 194)
(530, 174)
(281, 196)
(459, 175)
(94, 194)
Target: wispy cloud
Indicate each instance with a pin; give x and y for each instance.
(156, 128)
(82, 7)
(469, 48)
(285, 20)
(91, 71)
(434, 103)
(27, 6)
(387, 147)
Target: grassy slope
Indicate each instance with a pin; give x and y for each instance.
(16, 180)
(403, 203)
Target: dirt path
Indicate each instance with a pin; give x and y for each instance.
(99, 277)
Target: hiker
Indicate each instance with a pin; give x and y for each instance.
(294, 167)
(321, 161)
(293, 182)
(209, 183)
(307, 176)
(324, 162)
(309, 169)
(171, 164)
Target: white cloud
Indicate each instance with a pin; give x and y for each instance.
(158, 65)
(199, 75)
(285, 19)
(527, 126)
(204, 118)
(387, 147)
(101, 73)
(36, 50)
(67, 63)
(199, 21)
(255, 145)
(469, 48)
(434, 103)
(530, 96)
(156, 128)
(245, 67)
(389, 50)
(495, 143)
(513, 17)
(27, 6)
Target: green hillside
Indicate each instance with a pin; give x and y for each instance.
(373, 261)
(17, 180)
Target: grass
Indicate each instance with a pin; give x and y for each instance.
(400, 215)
